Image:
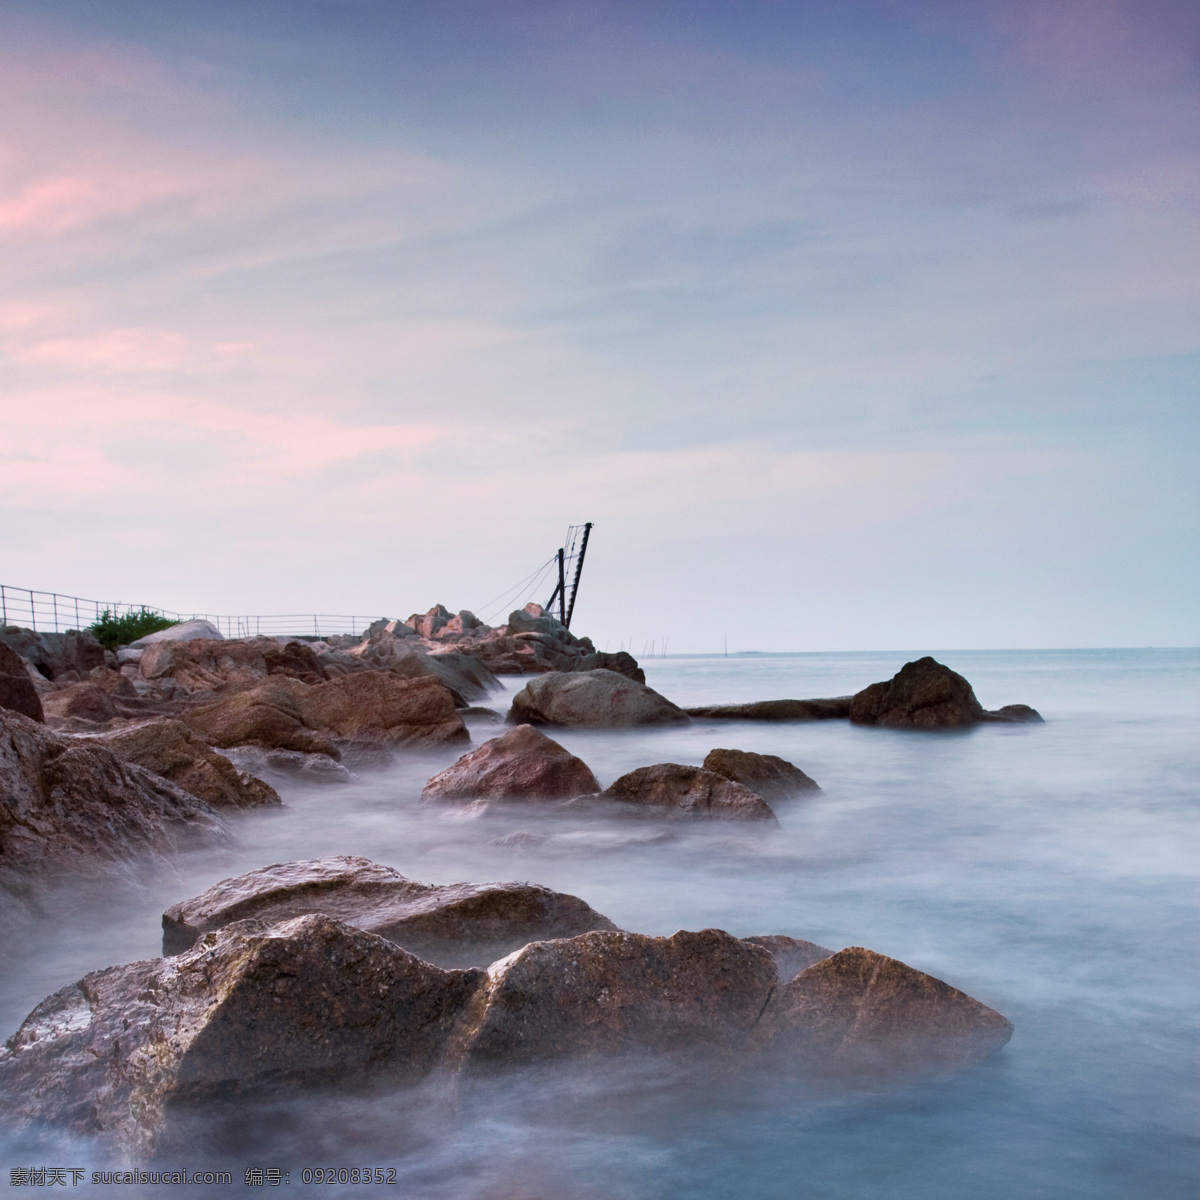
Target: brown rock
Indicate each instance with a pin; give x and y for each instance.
(615, 993)
(675, 789)
(598, 699)
(268, 715)
(858, 1011)
(249, 1009)
(777, 710)
(70, 806)
(1015, 714)
(791, 955)
(621, 662)
(85, 701)
(458, 924)
(17, 691)
(922, 695)
(523, 764)
(54, 655)
(209, 664)
(766, 775)
(378, 707)
(170, 749)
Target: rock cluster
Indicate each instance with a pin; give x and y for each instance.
(293, 976)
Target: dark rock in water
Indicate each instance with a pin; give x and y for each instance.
(621, 662)
(922, 695)
(523, 764)
(70, 807)
(676, 789)
(770, 777)
(1015, 714)
(459, 924)
(615, 993)
(777, 710)
(791, 955)
(87, 701)
(250, 1008)
(861, 1012)
(17, 692)
(598, 699)
(170, 749)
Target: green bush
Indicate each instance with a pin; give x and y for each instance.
(112, 632)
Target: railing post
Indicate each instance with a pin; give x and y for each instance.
(32, 613)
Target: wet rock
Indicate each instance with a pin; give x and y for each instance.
(171, 750)
(17, 691)
(183, 631)
(768, 776)
(71, 807)
(459, 924)
(268, 715)
(287, 766)
(85, 701)
(523, 764)
(598, 699)
(675, 789)
(835, 708)
(615, 993)
(861, 1012)
(791, 955)
(249, 1009)
(1015, 714)
(55, 655)
(922, 695)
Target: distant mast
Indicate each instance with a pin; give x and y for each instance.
(566, 607)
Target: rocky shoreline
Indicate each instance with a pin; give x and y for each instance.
(339, 969)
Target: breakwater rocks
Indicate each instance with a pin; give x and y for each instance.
(302, 994)
(924, 694)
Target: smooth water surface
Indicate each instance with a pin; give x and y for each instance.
(1048, 870)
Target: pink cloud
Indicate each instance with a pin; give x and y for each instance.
(115, 351)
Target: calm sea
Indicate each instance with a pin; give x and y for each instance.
(1048, 870)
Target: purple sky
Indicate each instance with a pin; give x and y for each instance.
(849, 325)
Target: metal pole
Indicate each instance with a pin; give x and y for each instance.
(562, 591)
(32, 613)
(587, 529)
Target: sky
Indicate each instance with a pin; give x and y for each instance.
(855, 325)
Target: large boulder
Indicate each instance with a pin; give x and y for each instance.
(599, 699)
(69, 656)
(523, 764)
(208, 664)
(379, 708)
(182, 631)
(621, 662)
(268, 715)
(861, 1012)
(606, 994)
(170, 749)
(832, 709)
(71, 807)
(17, 692)
(672, 789)
(769, 776)
(251, 1008)
(458, 924)
(83, 701)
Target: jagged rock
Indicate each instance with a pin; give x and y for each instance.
(458, 924)
(1015, 714)
(85, 701)
(523, 764)
(857, 1011)
(170, 749)
(832, 709)
(381, 708)
(599, 699)
(427, 625)
(672, 789)
(69, 806)
(622, 663)
(615, 993)
(17, 691)
(385, 650)
(268, 715)
(182, 631)
(55, 655)
(791, 955)
(768, 776)
(205, 664)
(250, 1008)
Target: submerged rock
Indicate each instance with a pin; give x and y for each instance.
(835, 708)
(250, 1008)
(17, 691)
(523, 764)
(287, 766)
(615, 993)
(770, 777)
(675, 789)
(170, 749)
(456, 924)
(599, 699)
(861, 1012)
(1015, 714)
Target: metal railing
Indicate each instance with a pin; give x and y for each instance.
(52, 612)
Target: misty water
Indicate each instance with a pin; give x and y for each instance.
(1047, 870)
